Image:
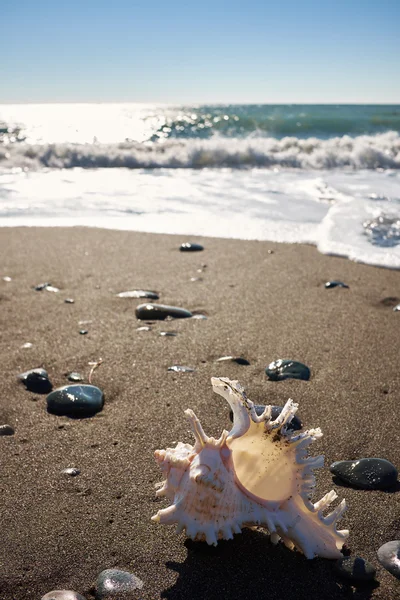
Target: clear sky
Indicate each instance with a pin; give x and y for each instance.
(206, 51)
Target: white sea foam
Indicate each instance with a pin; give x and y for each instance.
(327, 207)
(361, 152)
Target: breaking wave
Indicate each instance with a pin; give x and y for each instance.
(381, 151)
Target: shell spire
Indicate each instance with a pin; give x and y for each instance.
(258, 473)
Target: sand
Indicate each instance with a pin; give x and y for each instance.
(59, 532)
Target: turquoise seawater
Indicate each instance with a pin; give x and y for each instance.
(322, 121)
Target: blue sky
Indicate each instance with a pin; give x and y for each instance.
(210, 51)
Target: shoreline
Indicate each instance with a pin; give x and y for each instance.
(59, 533)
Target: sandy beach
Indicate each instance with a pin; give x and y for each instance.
(264, 301)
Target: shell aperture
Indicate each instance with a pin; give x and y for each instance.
(256, 474)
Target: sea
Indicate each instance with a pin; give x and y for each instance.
(327, 175)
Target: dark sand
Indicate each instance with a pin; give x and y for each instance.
(59, 532)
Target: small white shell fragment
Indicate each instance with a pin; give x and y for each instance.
(257, 474)
(51, 288)
(7, 279)
(27, 345)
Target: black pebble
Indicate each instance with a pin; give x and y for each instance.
(6, 430)
(294, 425)
(75, 401)
(389, 557)
(191, 247)
(41, 286)
(139, 294)
(237, 359)
(83, 331)
(115, 584)
(355, 569)
(332, 284)
(73, 376)
(37, 381)
(282, 369)
(159, 312)
(366, 473)
(71, 471)
(168, 333)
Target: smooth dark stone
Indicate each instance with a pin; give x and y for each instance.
(69, 301)
(332, 284)
(73, 376)
(6, 430)
(282, 369)
(366, 473)
(355, 569)
(75, 401)
(41, 286)
(237, 359)
(390, 301)
(36, 380)
(83, 331)
(294, 425)
(139, 294)
(168, 333)
(181, 369)
(62, 595)
(71, 471)
(191, 247)
(389, 557)
(159, 312)
(117, 585)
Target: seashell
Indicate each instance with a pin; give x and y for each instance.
(257, 474)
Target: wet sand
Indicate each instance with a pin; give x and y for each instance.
(59, 532)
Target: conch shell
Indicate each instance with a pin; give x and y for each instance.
(256, 474)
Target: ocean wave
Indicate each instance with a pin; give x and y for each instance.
(360, 152)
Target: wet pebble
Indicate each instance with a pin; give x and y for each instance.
(6, 430)
(74, 376)
(282, 369)
(69, 301)
(191, 247)
(83, 331)
(294, 425)
(390, 301)
(389, 557)
(366, 473)
(237, 359)
(332, 284)
(75, 401)
(168, 333)
(41, 286)
(181, 369)
(46, 286)
(71, 471)
(62, 595)
(159, 312)
(139, 294)
(37, 381)
(355, 569)
(115, 584)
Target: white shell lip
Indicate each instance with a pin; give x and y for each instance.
(258, 473)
